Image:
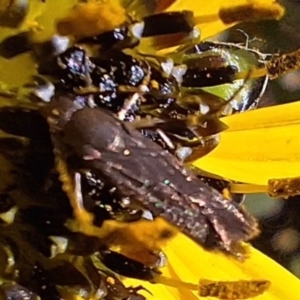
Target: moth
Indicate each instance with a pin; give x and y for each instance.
(91, 140)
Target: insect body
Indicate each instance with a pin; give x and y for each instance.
(125, 159)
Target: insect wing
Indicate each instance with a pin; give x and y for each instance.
(145, 174)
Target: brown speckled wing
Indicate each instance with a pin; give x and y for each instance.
(143, 172)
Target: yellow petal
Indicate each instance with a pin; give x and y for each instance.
(259, 145)
(212, 24)
(189, 262)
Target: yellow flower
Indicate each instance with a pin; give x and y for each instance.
(187, 261)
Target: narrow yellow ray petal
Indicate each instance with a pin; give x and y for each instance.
(259, 145)
(189, 262)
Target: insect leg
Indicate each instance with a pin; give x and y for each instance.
(72, 187)
(77, 202)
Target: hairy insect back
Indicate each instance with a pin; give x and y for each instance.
(146, 175)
